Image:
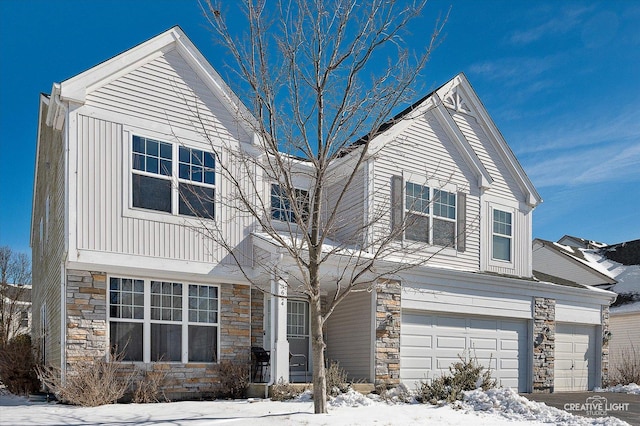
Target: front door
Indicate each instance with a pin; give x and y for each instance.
(298, 335)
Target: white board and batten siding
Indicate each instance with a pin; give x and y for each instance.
(423, 151)
(160, 99)
(350, 337)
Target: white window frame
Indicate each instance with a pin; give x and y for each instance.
(168, 217)
(432, 188)
(147, 321)
(497, 261)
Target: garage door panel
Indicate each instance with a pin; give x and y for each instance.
(498, 344)
(478, 343)
(413, 340)
(445, 342)
(425, 363)
(450, 323)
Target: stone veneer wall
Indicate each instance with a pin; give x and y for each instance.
(87, 334)
(257, 318)
(86, 326)
(606, 336)
(544, 340)
(387, 344)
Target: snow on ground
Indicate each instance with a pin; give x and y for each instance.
(494, 407)
(631, 388)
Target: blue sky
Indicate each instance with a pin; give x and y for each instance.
(561, 80)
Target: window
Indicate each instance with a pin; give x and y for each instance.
(197, 180)
(165, 317)
(152, 172)
(281, 208)
(431, 215)
(501, 235)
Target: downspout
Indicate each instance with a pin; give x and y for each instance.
(63, 321)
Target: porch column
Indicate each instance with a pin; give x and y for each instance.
(279, 342)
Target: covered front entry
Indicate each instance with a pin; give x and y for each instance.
(298, 337)
(575, 355)
(431, 342)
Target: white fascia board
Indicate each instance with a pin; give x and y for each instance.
(43, 101)
(513, 285)
(451, 128)
(156, 267)
(76, 88)
(460, 81)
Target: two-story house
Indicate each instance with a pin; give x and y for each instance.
(128, 170)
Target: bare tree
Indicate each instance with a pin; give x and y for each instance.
(322, 79)
(15, 276)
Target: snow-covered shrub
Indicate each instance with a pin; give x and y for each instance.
(233, 380)
(337, 382)
(18, 366)
(464, 375)
(89, 383)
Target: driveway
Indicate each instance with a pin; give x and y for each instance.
(593, 404)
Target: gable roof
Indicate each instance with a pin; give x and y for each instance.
(436, 102)
(76, 88)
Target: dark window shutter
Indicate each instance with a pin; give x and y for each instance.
(397, 206)
(462, 221)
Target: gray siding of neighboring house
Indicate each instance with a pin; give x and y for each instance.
(48, 247)
(625, 339)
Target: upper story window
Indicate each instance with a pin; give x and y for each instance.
(153, 320)
(431, 215)
(153, 170)
(197, 179)
(502, 235)
(282, 208)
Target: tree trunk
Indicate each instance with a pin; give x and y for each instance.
(317, 348)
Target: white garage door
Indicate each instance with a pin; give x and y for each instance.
(575, 357)
(430, 343)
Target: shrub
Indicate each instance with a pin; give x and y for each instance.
(627, 369)
(88, 383)
(233, 380)
(18, 366)
(464, 375)
(148, 389)
(284, 391)
(336, 379)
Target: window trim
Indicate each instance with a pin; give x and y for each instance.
(147, 321)
(492, 259)
(128, 210)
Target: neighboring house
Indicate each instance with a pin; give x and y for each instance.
(16, 309)
(613, 267)
(120, 262)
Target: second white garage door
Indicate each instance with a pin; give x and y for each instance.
(430, 343)
(575, 357)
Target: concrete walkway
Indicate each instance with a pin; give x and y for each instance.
(590, 404)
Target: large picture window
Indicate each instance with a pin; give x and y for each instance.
(153, 171)
(502, 235)
(177, 322)
(430, 215)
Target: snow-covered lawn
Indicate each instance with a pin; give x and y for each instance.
(494, 407)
